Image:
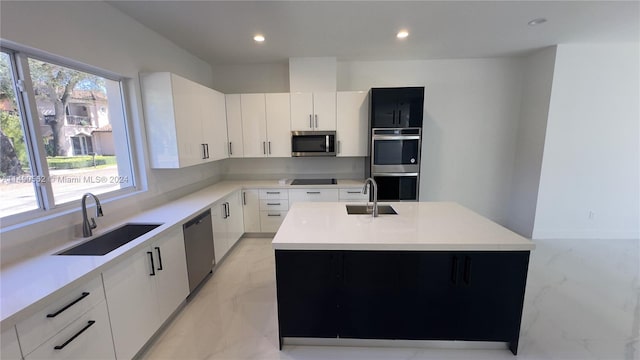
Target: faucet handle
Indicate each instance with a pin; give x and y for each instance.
(99, 211)
(93, 223)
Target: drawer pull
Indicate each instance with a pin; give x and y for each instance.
(274, 204)
(84, 295)
(278, 215)
(354, 192)
(313, 192)
(273, 192)
(60, 347)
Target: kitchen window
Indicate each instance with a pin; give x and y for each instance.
(64, 133)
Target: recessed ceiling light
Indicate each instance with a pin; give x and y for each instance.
(258, 38)
(402, 34)
(537, 21)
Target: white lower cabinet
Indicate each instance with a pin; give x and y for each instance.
(251, 210)
(274, 205)
(88, 337)
(228, 224)
(353, 195)
(312, 195)
(143, 290)
(9, 347)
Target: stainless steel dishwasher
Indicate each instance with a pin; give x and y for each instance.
(198, 243)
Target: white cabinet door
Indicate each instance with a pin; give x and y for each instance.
(89, 337)
(352, 123)
(254, 125)
(324, 111)
(131, 296)
(220, 233)
(302, 112)
(270, 221)
(251, 210)
(235, 221)
(171, 269)
(188, 113)
(234, 125)
(9, 347)
(278, 115)
(215, 126)
(312, 195)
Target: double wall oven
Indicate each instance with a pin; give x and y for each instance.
(396, 145)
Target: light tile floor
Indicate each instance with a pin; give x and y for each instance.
(581, 303)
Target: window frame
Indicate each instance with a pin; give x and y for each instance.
(28, 112)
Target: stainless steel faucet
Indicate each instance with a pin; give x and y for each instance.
(375, 195)
(86, 225)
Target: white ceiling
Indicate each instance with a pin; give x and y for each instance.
(221, 32)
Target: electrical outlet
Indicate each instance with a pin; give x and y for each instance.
(592, 215)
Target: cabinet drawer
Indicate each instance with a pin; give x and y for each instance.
(89, 337)
(313, 195)
(58, 314)
(274, 194)
(270, 220)
(279, 204)
(9, 348)
(353, 194)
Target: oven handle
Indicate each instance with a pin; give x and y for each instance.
(396, 137)
(395, 174)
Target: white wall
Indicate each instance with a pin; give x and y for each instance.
(252, 78)
(289, 168)
(471, 116)
(591, 161)
(536, 92)
(98, 35)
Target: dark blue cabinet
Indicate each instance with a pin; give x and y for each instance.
(400, 107)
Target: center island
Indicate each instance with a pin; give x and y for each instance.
(433, 271)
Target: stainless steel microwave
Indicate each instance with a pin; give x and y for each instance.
(313, 143)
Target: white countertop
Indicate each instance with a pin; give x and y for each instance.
(426, 226)
(26, 286)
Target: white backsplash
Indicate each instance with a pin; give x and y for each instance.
(290, 168)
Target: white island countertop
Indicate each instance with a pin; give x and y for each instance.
(418, 226)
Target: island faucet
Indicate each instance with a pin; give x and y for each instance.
(375, 195)
(86, 225)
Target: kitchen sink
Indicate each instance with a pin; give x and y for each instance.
(110, 241)
(367, 210)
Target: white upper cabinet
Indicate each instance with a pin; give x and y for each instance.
(254, 125)
(278, 117)
(313, 111)
(234, 125)
(182, 120)
(214, 126)
(352, 123)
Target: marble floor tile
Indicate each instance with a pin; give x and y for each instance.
(582, 302)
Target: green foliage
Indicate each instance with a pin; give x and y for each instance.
(76, 162)
(10, 125)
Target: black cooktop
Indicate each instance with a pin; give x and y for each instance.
(314, 182)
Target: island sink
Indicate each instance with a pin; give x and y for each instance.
(367, 210)
(110, 241)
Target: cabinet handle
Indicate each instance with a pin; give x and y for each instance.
(316, 120)
(454, 270)
(354, 192)
(230, 149)
(60, 347)
(84, 295)
(273, 192)
(159, 258)
(204, 152)
(313, 192)
(224, 210)
(273, 204)
(244, 198)
(228, 209)
(264, 148)
(310, 121)
(338, 146)
(399, 116)
(393, 119)
(278, 215)
(467, 271)
(153, 266)
(207, 151)
(269, 147)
